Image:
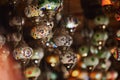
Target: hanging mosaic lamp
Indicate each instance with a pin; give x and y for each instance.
(91, 62)
(116, 54)
(99, 38)
(101, 20)
(39, 32)
(17, 21)
(32, 72)
(71, 22)
(63, 40)
(106, 2)
(37, 56)
(52, 5)
(22, 52)
(84, 50)
(33, 11)
(68, 59)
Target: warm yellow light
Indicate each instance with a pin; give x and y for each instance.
(84, 55)
(96, 75)
(78, 57)
(53, 64)
(113, 50)
(100, 42)
(106, 2)
(92, 75)
(103, 26)
(52, 60)
(75, 73)
(99, 47)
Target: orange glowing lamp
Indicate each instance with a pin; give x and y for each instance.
(106, 2)
(53, 60)
(75, 73)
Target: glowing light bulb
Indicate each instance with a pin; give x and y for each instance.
(53, 60)
(75, 73)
